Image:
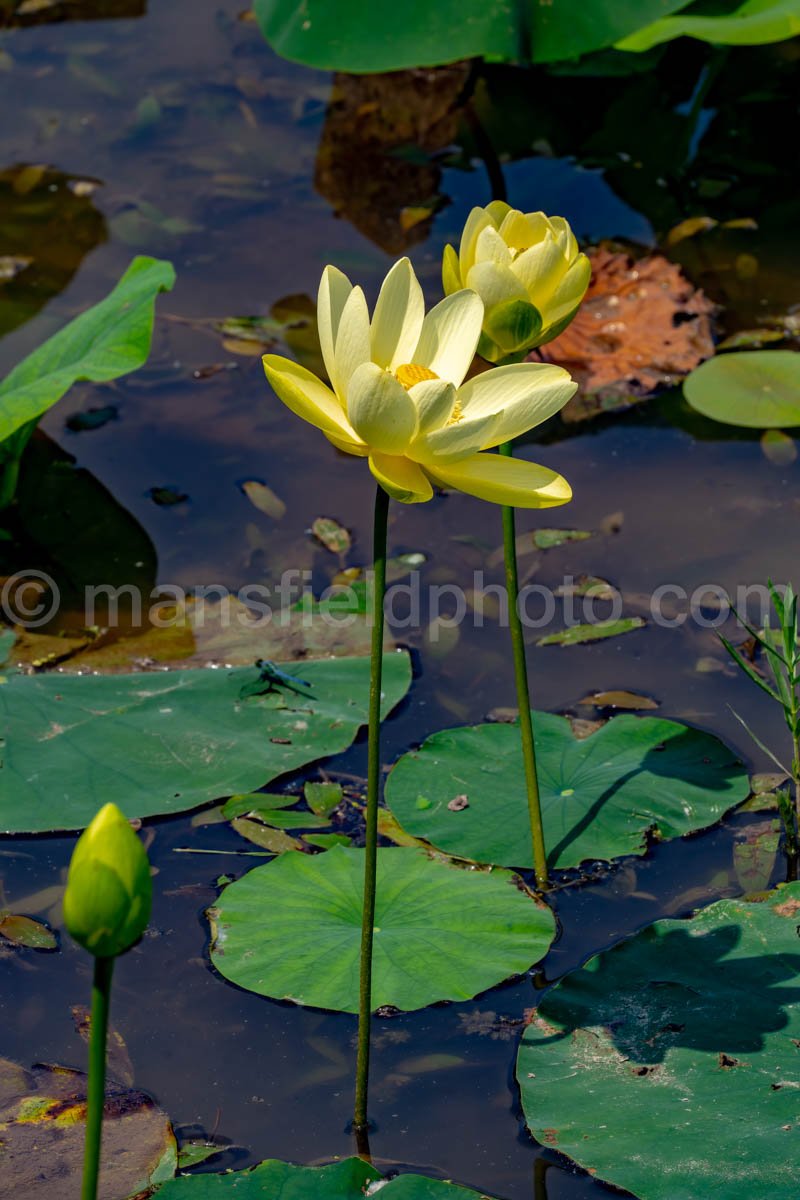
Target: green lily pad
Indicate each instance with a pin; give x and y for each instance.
(752, 24)
(601, 795)
(347, 1180)
(757, 389)
(668, 1066)
(169, 741)
(441, 933)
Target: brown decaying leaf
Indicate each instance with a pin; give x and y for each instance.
(642, 326)
(24, 931)
(120, 1067)
(43, 1115)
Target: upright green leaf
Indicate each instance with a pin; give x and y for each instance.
(108, 340)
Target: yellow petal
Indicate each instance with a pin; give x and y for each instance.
(457, 441)
(495, 283)
(357, 448)
(352, 346)
(401, 478)
(397, 320)
(570, 291)
(540, 270)
(511, 481)
(334, 290)
(451, 271)
(497, 211)
(566, 238)
(524, 394)
(380, 409)
(490, 247)
(435, 400)
(450, 335)
(477, 220)
(522, 230)
(309, 398)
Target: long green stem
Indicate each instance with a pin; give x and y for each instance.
(523, 691)
(373, 793)
(96, 1093)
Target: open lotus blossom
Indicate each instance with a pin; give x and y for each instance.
(397, 395)
(528, 271)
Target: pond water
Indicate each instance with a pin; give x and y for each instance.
(209, 150)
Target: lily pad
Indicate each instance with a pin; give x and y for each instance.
(752, 24)
(43, 1115)
(351, 1179)
(758, 389)
(668, 1066)
(578, 635)
(601, 795)
(441, 933)
(167, 742)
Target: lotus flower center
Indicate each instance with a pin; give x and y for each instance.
(410, 373)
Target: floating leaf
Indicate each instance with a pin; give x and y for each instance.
(43, 1116)
(757, 390)
(753, 24)
(108, 340)
(620, 699)
(601, 796)
(577, 635)
(326, 840)
(332, 535)
(348, 37)
(191, 1154)
(274, 840)
(778, 447)
(351, 1179)
(261, 804)
(264, 499)
(546, 539)
(168, 742)
(642, 326)
(754, 858)
(24, 931)
(689, 228)
(691, 1027)
(323, 798)
(441, 933)
(751, 339)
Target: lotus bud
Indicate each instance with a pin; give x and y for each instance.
(528, 271)
(109, 890)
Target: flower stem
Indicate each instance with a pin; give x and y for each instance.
(96, 1093)
(523, 691)
(373, 791)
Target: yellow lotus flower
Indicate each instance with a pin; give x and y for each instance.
(397, 394)
(528, 271)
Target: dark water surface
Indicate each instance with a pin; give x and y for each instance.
(212, 152)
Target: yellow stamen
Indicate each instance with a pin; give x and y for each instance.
(456, 414)
(410, 373)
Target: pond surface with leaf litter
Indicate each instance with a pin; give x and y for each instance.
(172, 130)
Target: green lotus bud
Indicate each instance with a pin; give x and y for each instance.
(528, 271)
(109, 890)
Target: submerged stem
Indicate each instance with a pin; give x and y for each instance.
(523, 691)
(9, 478)
(373, 791)
(96, 1092)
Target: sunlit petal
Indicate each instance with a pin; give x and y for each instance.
(352, 340)
(571, 290)
(566, 238)
(477, 220)
(524, 395)
(334, 290)
(401, 478)
(511, 481)
(309, 398)
(490, 247)
(435, 400)
(521, 230)
(495, 284)
(380, 409)
(397, 320)
(451, 272)
(450, 335)
(539, 270)
(456, 441)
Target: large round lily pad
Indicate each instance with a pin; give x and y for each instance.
(292, 929)
(347, 1180)
(601, 795)
(670, 1065)
(758, 389)
(43, 1119)
(166, 742)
